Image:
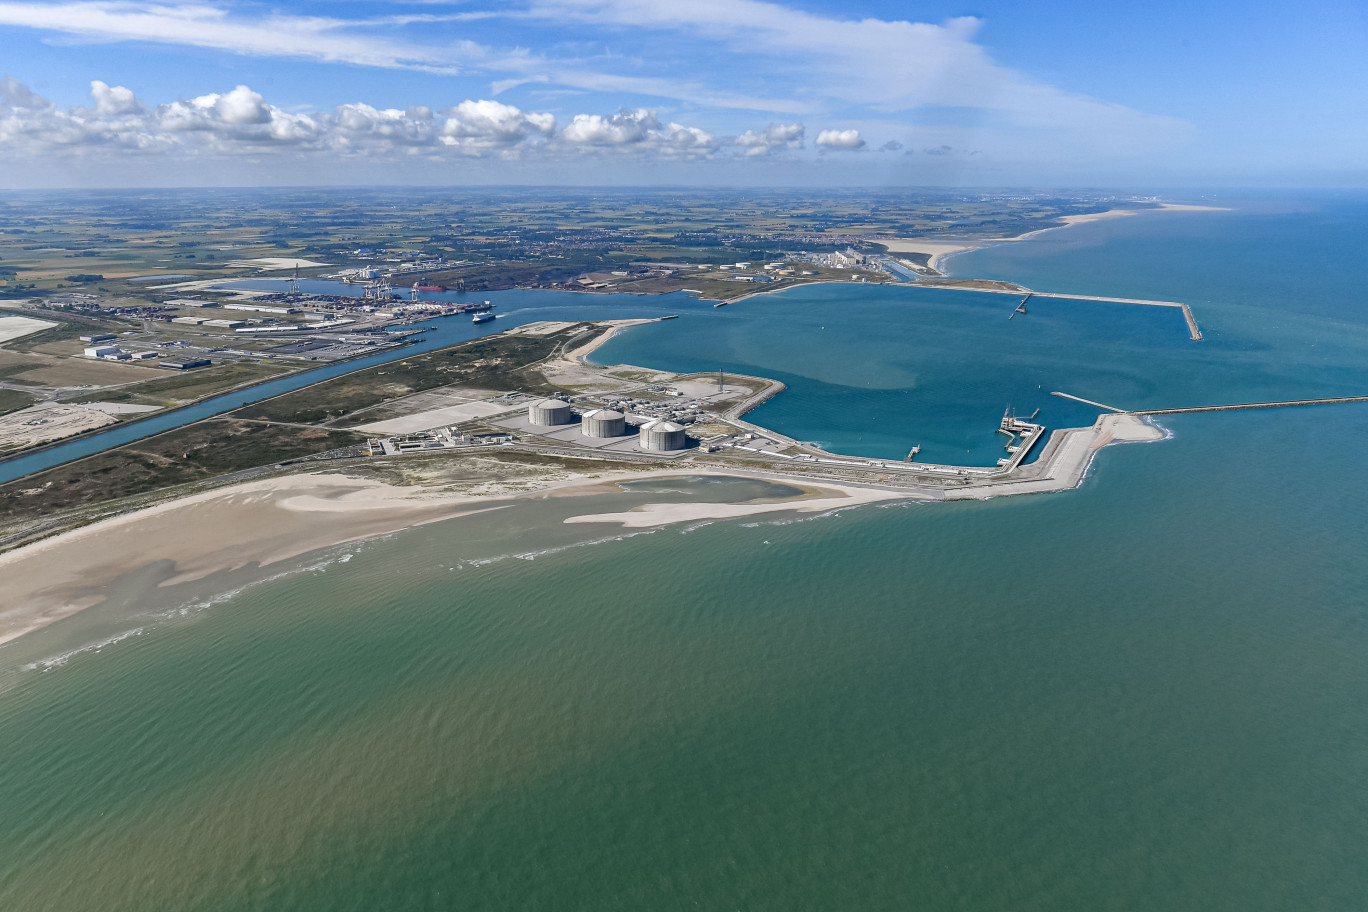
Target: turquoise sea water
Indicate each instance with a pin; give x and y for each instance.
(1146, 694)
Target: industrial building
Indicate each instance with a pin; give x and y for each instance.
(548, 413)
(662, 437)
(99, 337)
(186, 363)
(603, 423)
(101, 351)
(262, 308)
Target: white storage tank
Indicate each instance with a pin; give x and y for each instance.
(603, 423)
(548, 413)
(662, 436)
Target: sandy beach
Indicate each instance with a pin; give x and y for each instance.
(939, 249)
(272, 520)
(617, 326)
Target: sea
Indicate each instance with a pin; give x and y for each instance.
(1145, 694)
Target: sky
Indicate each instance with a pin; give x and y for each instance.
(1202, 93)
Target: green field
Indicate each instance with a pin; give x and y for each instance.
(14, 400)
(180, 388)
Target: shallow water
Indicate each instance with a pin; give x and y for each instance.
(1144, 694)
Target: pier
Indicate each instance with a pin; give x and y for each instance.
(1285, 403)
(1109, 408)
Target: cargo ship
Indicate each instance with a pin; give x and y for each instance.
(482, 317)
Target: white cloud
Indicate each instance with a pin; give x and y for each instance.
(242, 106)
(623, 128)
(840, 139)
(638, 131)
(773, 137)
(825, 64)
(207, 26)
(16, 96)
(490, 125)
(359, 126)
(243, 120)
(111, 100)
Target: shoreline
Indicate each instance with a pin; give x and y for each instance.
(941, 250)
(580, 355)
(222, 529)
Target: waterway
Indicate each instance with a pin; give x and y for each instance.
(514, 308)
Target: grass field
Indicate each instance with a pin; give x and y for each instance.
(170, 389)
(36, 369)
(13, 401)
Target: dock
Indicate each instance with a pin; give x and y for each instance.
(1016, 429)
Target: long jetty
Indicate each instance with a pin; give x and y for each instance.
(1286, 403)
(1194, 332)
(1101, 405)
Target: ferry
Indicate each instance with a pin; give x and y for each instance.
(482, 317)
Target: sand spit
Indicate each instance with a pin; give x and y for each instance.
(1070, 220)
(614, 327)
(661, 514)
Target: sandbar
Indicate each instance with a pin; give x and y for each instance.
(829, 497)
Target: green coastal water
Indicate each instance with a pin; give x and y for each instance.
(1145, 694)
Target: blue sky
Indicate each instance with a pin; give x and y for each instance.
(1164, 94)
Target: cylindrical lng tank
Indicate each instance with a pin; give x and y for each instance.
(662, 436)
(603, 423)
(549, 413)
